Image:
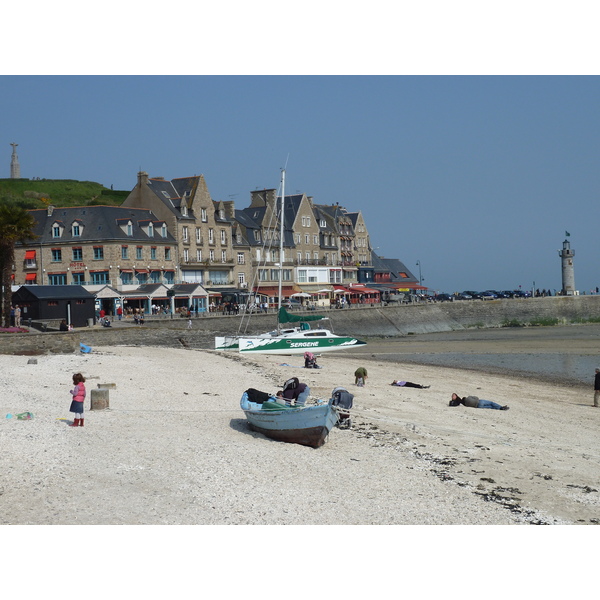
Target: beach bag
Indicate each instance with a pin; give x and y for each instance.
(257, 396)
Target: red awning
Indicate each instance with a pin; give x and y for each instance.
(286, 290)
(363, 290)
(142, 271)
(29, 254)
(31, 277)
(126, 270)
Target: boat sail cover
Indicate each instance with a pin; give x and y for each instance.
(285, 317)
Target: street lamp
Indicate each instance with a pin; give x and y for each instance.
(420, 277)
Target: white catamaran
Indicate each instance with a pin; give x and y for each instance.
(292, 340)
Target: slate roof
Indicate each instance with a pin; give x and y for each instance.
(99, 224)
(53, 292)
(393, 266)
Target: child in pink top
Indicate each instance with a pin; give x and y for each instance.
(78, 393)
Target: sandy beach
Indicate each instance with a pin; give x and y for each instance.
(174, 447)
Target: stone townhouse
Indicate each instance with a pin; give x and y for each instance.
(96, 245)
(200, 225)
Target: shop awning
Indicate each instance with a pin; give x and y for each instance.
(126, 270)
(142, 271)
(31, 277)
(286, 290)
(29, 254)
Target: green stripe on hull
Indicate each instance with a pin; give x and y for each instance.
(295, 346)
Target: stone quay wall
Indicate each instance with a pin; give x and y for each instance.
(361, 322)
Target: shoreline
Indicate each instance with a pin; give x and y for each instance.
(174, 447)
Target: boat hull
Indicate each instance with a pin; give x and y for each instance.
(287, 345)
(308, 426)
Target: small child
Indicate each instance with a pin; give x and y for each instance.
(78, 393)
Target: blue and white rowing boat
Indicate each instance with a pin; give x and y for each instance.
(305, 425)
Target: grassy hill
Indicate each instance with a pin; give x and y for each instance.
(59, 192)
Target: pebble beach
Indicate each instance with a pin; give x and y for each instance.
(174, 449)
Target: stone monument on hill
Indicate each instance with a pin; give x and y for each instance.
(568, 272)
(15, 168)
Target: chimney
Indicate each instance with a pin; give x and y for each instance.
(142, 178)
(229, 207)
(50, 210)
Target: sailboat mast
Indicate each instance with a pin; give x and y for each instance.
(281, 241)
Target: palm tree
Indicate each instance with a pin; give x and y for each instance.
(16, 226)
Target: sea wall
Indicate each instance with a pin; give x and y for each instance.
(365, 322)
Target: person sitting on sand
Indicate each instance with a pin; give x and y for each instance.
(475, 402)
(410, 384)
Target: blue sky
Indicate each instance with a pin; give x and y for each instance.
(465, 152)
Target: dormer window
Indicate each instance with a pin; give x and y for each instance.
(150, 230)
(203, 215)
(163, 230)
(130, 228)
(166, 195)
(75, 230)
(221, 213)
(184, 210)
(57, 230)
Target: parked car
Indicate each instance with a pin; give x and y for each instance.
(474, 295)
(463, 296)
(489, 295)
(522, 294)
(443, 298)
(506, 294)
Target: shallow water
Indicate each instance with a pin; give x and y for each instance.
(567, 355)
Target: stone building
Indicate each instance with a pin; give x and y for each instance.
(203, 232)
(96, 245)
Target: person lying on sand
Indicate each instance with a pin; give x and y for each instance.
(475, 402)
(409, 384)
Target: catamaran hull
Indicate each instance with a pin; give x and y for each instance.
(308, 426)
(260, 345)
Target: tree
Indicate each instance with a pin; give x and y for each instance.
(16, 226)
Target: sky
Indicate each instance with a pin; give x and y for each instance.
(470, 151)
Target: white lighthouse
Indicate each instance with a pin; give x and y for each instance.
(568, 272)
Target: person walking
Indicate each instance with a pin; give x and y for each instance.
(475, 402)
(597, 388)
(78, 393)
(17, 316)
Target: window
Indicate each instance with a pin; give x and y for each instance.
(77, 254)
(155, 276)
(241, 258)
(263, 274)
(56, 255)
(238, 237)
(307, 239)
(184, 234)
(153, 253)
(315, 256)
(223, 255)
(129, 228)
(223, 237)
(211, 236)
(139, 252)
(287, 274)
(241, 279)
(124, 252)
(141, 278)
(307, 257)
(274, 274)
(299, 256)
(297, 238)
(257, 236)
(163, 230)
(258, 255)
(198, 235)
(126, 278)
(75, 230)
(150, 230)
(211, 255)
(316, 240)
(56, 231)
(199, 255)
(322, 223)
(186, 255)
(78, 278)
(203, 215)
(98, 252)
(99, 277)
(167, 253)
(169, 277)
(57, 279)
(302, 278)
